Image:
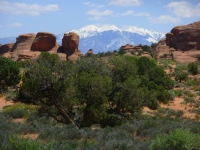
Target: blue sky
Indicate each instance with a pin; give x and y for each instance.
(58, 16)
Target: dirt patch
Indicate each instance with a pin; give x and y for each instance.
(4, 103)
(19, 120)
(177, 104)
(31, 136)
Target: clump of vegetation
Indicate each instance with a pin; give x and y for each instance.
(177, 139)
(121, 51)
(180, 73)
(93, 90)
(107, 93)
(9, 74)
(18, 110)
(193, 68)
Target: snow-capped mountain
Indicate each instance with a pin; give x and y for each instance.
(109, 37)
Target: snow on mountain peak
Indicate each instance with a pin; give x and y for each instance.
(92, 30)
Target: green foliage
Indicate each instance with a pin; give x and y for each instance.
(18, 143)
(154, 45)
(149, 49)
(18, 110)
(176, 140)
(93, 90)
(193, 68)
(140, 53)
(180, 73)
(121, 51)
(9, 73)
(92, 84)
(154, 78)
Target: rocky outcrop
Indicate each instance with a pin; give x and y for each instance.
(90, 52)
(146, 54)
(27, 54)
(162, 49)
(184, 38)
(182, 43)
(70, 42)
(130, 48)
(44, 41)
(6, 48)
(30, 46)
(23, 42)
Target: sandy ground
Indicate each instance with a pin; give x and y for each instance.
(31, 136)
(4, 103)
(177, 104)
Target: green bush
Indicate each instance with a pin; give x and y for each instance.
(18, 143)
(9, 73)
(193, 68)
(100, 87)
(18, 110)
(178, 139)
(121, 51)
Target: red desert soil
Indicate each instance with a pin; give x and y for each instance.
(4, 103)
(176, 104)
(31, 136)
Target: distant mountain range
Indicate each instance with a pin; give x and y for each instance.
(107, 37)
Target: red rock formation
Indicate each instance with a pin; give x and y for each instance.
(6, 48)
(44, 41)
(90, 51)
(130, 48)
(27, 54)
(182, 43)
(70, 44)
(23, 42)
(30, 45)
(146, 54)
(186, 37)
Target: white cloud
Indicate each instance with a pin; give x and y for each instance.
(129, 12)
(165, 19)
(93, 5)
(16, 24)
(25, 9)
(96, 12)
(125, 3)
(141, 14)
(95, 18)
(184, 9)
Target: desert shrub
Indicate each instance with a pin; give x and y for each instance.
(11, 95)
(178, 92)
(180, 72)
(179, 114)
(121, 51)
(91, 90)
(140, 53)
(18, 143)
(9, 73)
(133, 53)
(176, 140)
(18, 110)
(193, 68)
(196, 88)
(172, 94)
(164, 56)
(188, 100)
